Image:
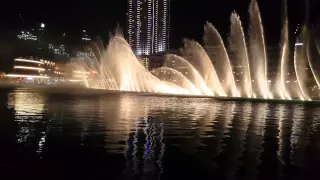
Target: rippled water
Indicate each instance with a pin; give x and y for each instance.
(125, 136)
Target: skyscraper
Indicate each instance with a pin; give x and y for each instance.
(149, 26)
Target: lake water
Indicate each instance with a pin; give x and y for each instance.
(125, 136)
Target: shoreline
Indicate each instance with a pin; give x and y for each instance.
(77, 90)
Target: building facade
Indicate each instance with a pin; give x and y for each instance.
(148, 26)
(30, 70)
(144, 61)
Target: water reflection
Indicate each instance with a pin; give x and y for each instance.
(27, 103)
(29, 114)
(144, 137)
(253, 142)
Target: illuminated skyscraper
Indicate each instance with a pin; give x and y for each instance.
(149, 26)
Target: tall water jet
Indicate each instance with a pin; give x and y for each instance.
(197, 56)
(301, 62)
(258, 51)
(238, 47)
(284, 61)
(182, 65)
(212, 39)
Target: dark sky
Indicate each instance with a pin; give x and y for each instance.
(188, 16)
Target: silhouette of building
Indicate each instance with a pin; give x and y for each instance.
(148, 26)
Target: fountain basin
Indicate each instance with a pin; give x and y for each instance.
(75, 90)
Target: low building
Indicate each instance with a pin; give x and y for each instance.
(39, 71)
(144, 61)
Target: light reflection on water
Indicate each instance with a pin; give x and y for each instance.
(131, 136)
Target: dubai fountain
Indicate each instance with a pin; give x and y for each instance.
(194, 73)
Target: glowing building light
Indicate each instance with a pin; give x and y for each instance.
(86, 39)
(29, 68)
(299, 44)
(27, 60)
(26, 35)
(74, 80)
(26, 76)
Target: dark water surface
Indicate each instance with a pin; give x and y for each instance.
(123, 136)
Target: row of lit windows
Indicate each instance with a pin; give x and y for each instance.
(152, 43)
(26, 35)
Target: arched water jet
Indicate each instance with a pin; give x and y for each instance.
(258, 51)
(196, 55)
(175, 77)
(238, 47)
(180, 64)
(212, 39)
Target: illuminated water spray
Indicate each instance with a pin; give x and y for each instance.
(212, 38)
(284, 59)
(301, 63)
(258, 51)
(208, 70)
(238, 46)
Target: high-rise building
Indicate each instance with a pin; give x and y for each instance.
(149, 26)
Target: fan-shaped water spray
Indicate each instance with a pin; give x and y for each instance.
(245, 74)
(197, 56)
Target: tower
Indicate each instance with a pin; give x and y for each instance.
(148, 26)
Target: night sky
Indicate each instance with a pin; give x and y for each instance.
(187, 16)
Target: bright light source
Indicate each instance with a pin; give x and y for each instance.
(42, 25)
(30, 68)
(299, 44)
(74, 80)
